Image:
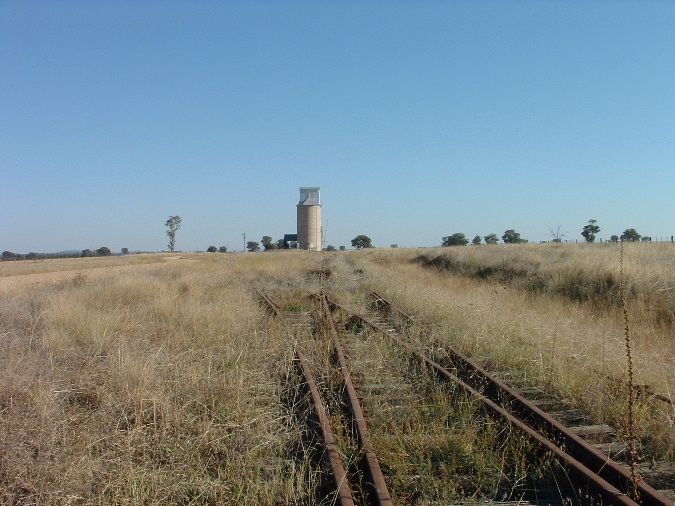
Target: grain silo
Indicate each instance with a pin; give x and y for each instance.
(309, 219)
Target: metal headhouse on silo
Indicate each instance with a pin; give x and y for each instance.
(309, 219)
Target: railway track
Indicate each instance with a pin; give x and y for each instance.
(365, 482)
(599, 476)
(563, 418)
(596, 478)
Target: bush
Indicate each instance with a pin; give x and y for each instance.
(630, 234)
(211, 249)
(362, 241)
(512, 237)
(456, 239)
(223, 249)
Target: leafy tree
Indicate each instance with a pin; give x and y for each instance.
(589, 231)
(8, 255)
(342, 248)
(557, 234)
(125, 251)
(491, 239)
(394, 245)
(512, 237)
(252, 246)
(330, 248)
(476, 240)
(361, 242)
(172, 225)
(87, 252)
(211, 249)
(630, 234)
(456, 239)
(280, 244)
(267, 243)
(614, 238)
(103, 251)
(223, 249)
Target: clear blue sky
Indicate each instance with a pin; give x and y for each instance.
(416, 119)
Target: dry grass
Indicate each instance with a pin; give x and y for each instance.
(578, 352)
(23, 267)
(165, 383)
(581, 273)
(157, 386)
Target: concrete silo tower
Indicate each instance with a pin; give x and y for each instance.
(309, 219)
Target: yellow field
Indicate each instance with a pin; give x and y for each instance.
(162, 383)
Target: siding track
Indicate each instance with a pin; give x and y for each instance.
(600, 475)
(367, 484)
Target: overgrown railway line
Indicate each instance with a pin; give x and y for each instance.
(596, 478)
(602, 474)
(365, 482)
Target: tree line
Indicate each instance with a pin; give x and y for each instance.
(588, 232)
(103, 251)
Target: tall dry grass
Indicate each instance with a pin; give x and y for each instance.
(586, 273)
(573, 349)
(160, 385)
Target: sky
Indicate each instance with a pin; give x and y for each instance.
(416, 119)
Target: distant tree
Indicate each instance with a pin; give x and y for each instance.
(125, 251)
(589, 230)
(631, 235)
(512, 237)
(614, 238)
(8, 255)
(252, 246)
(172, 225)
(394, 245)
(211, 249)
(280, 244)
(87, 253)
(646, 238)
(476, 240)
(456, 239)
(361, 242)
(223, 249)
(342, 248)
(103, 251)
(557, 234)
(491, 239)
(330, 248)
(267, 243)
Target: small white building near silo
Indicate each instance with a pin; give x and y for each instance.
(310, 229)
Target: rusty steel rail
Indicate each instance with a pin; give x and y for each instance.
(610, 493)
(271, 304)
(387, 307)
(574, 445)
(381, 494)
(343, 489)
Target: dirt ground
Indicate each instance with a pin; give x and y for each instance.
(8, 283)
